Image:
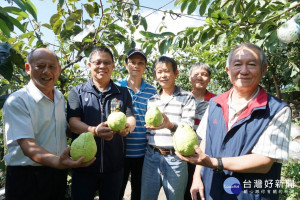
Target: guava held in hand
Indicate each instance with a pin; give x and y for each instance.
(153, 117)
(117, 121)
(84, 145)
(184, 139)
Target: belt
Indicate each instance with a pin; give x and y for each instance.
(163, 151)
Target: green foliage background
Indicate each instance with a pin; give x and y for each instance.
(228, 22)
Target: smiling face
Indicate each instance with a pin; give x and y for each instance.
(165, 75)
(44, 70)
(101, 66)
(136, 65)
(245, 70)
(199, 78)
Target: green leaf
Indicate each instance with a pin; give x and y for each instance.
(192, 7)
(16, 23)
(177, 2)
(161, 47)
(184, 5)
(26, 35)
(89, 9)
(16, 59)
(114, 27)
(225, 22)
(4, 88)
(144, 23)
(66, 34)
(223, 3)
(96, 8)
(69, 25)
(273, 37)
(149, 49)
(8, 23)
(31, 9)
(47, 26)
(230, 9)
(132, 29)
(168, 44)
(54, 18)
(61, 3)
(137, 3)
(202, 8)
(6, 69)
(4, 28)
(237, 7)
(252, 19)
(203, 38)
(57, 26)
(32, 38)
(135, 19)
(16, 11)
(167, 34)
(20, 4)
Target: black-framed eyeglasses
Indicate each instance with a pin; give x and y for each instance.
(99, 63)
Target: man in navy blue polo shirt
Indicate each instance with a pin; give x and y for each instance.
(140, 92)
(245, 135)
(89, 105)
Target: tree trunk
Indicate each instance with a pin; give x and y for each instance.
(278, 93)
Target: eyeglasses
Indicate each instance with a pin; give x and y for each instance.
(105, 63)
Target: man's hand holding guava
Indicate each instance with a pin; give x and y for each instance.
(165, 124)
(199, 158)
(104, 132)
(125, 131)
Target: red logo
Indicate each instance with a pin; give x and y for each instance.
(215, 121)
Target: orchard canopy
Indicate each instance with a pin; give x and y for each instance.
(78, 26)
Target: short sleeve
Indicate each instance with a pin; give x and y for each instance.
(201, 130)
(17, 120)
(274, 142)
(73, 106)
(129, 107)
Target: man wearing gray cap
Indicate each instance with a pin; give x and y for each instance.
(140, 91)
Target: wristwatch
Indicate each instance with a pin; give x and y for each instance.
(220, 167)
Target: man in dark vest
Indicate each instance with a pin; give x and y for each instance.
(245, 135)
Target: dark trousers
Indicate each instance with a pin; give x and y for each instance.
(191, 169)
(134, 167)
(35, 183)
(85, 185)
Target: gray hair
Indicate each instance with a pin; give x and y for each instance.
(30, 56)
(200, 66)
(262, 55)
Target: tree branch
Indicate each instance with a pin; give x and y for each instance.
(77, 59)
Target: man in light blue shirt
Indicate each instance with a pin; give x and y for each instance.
(140, 92)
(35, 134)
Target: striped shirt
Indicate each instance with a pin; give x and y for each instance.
(179, 108)
(136, 141)
(274, 141)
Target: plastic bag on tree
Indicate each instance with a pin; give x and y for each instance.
(86, 31)
(290, 30)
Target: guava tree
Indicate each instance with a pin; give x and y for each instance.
(78, 26)
(229, 22)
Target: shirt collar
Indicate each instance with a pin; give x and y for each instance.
(37, 95)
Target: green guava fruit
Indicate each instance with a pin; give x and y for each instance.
(116, 121)
(84, 145)
(184, 139)
(153, 117)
